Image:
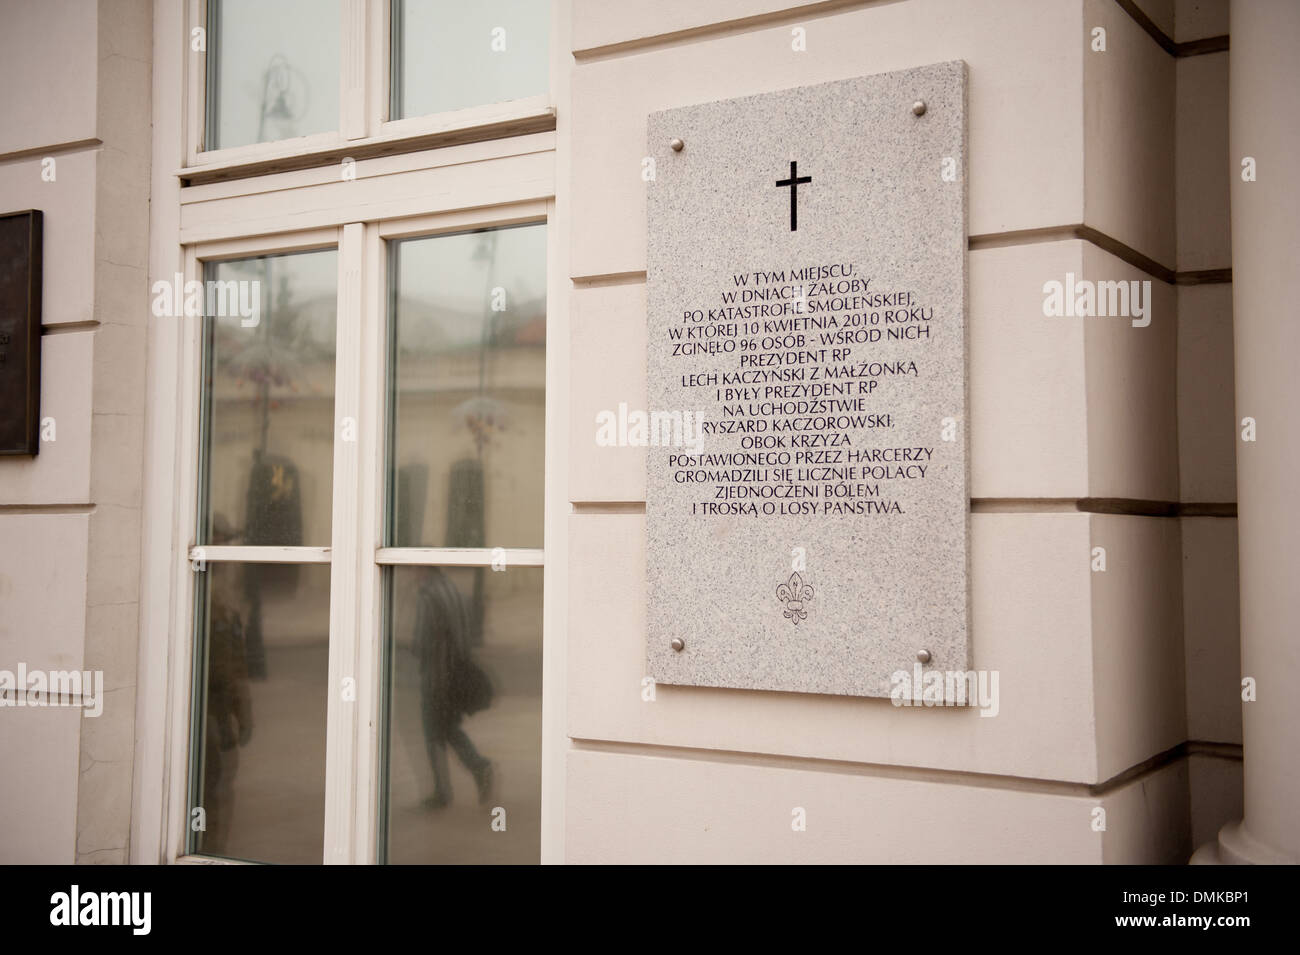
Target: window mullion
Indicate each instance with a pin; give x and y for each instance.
(496, 557)
(181, 699)
(260, 554)
(344, 688)
(370, 492)
(354, 50)
(196, 84)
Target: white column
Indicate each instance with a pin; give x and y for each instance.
(1264, 123)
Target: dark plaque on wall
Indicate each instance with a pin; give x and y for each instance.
(20, 332)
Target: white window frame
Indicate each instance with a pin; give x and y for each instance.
(364, 128)
(421, 188)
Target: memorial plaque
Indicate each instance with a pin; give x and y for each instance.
(20, 332)
(807, 498)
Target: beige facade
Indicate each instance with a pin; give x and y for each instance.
(77, 78)
(1121, 688)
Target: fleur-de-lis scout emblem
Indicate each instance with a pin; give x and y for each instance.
(794, 593)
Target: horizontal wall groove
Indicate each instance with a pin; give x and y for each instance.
(1212, 44)
(63, 328)
(1144, 768)
(709, 31)
(45, 699)
(1208, 509)
(1001, 240)
(794, 14)
(1204, 277)
(1024, 505)
(1209, 44)
(608, 507)
(1062, 233)
(57, 149)
(609, 278)
(1142, 508)
(1133, 507)
(1200, 747)
(819, 764)
(15, 509)
(1127, 506)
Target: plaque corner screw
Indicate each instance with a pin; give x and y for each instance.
(678, 644)
(677, 145)
(923, 656)
(919, 107)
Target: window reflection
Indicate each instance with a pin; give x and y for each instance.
(273, 70)
(260, 734)
(468, 378)
(464, 716)
(448, 54)
(269, 436)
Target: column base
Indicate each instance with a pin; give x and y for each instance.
(1236, 846)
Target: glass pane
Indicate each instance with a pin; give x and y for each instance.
(464, 729)
(262, 672)
(468, 378)
(269, 400)
(273, 70)
(450, 54)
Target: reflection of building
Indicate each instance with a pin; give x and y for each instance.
(484, 402)
(1121, 689)
(273, 394)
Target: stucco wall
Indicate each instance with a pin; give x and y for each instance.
(77, 76)
(1080, 438)
(1119, 689)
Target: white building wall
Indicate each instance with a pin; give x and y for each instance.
(1119, 690)
(1075, 166)
(77, 80)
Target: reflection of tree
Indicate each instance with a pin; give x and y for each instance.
(453, 347)
(277, 352)
(273, 357)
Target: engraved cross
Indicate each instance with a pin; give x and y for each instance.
(793, 182)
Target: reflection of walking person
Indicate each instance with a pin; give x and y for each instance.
(452, 685)
(229, 716)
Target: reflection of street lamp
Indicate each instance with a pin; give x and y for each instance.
(277, 98)
(264, 388)
(487, 250)
(481, 416)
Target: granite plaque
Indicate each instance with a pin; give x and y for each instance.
(20, 332)
(807, 498)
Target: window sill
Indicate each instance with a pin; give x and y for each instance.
(208, 860)
(403, 136)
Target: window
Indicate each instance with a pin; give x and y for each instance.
(259, 745)
(262, 617)
(273, 70)
(448, 55)
(464, 385)
(349, 456)
(468, 376)
(463, 647)
(328, 73)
